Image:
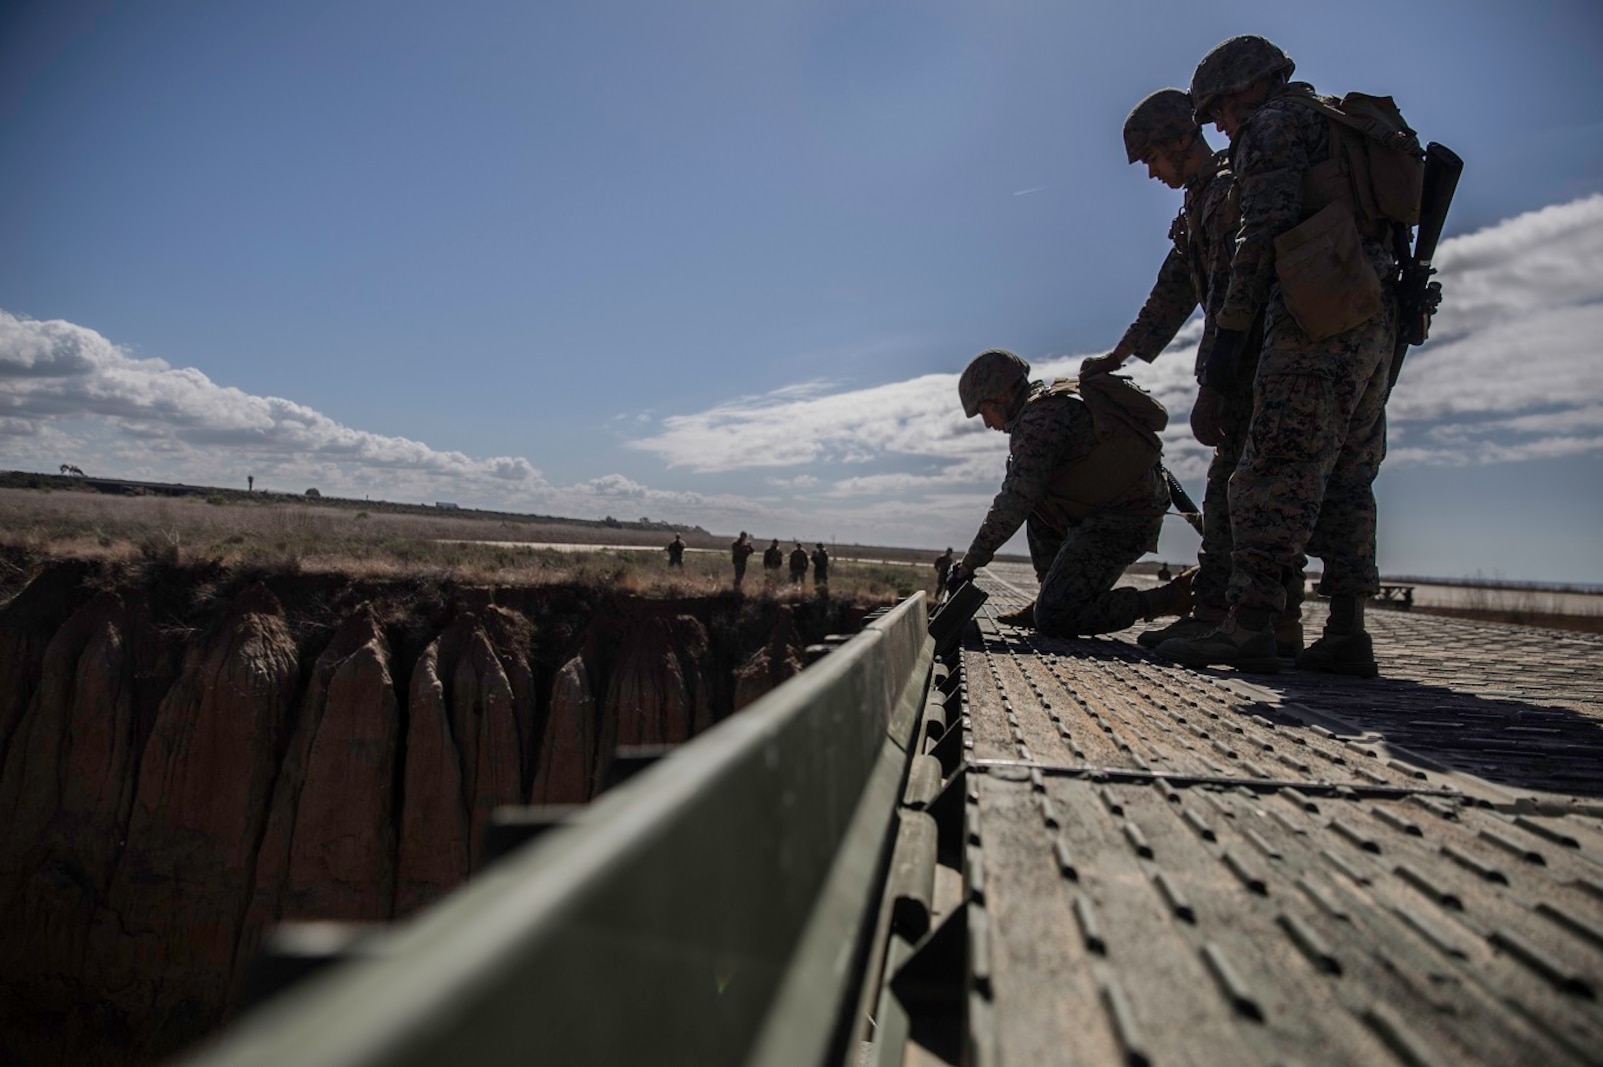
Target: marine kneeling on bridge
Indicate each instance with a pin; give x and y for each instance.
(1085, 478)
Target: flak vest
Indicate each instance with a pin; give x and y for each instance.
(1122, 473)
(1187, 229)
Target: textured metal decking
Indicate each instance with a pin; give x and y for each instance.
(1175, 866)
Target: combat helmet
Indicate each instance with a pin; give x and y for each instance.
(1231, 66)
(989, 375)
(1164, 116)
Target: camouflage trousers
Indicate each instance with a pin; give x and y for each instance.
(1307, 469)
(1078, 568)
(1210, 586)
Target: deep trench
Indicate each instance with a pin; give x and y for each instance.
(100, 664)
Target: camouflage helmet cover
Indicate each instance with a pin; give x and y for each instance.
(1164, 116)
(989, 375)
(1231, 66)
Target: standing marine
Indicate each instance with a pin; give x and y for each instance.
(1162, 133)
(773, 560)
(1314, 257)
(820, 568)
(1085, 479)
(676, 551)
(798, 564)
(739, 549)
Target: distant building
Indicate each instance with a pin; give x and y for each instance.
(446, 506)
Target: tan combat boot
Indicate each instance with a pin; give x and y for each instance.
(1245, 641)
(1344, 648)
(1024, 616)
(1201, 620)
(1170, 598)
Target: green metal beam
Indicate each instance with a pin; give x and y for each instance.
(711, 910)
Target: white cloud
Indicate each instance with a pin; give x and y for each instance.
(1520, 322)
(56, 372)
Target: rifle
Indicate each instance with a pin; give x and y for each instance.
(1182, 501)
(1417, 296)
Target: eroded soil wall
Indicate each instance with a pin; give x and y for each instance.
(189, 755)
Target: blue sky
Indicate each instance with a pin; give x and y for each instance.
(719, 263)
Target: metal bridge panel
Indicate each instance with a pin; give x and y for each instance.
(1199, 867)
(659, 926)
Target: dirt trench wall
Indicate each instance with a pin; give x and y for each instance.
(187, 757)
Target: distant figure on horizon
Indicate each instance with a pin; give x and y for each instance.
(676, 551)
(738, 551)
(250, 483)
(821, 570)
(1164, 574)
(773, 560)
(943, 567)
(798, 564)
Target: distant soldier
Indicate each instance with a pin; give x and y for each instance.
(676, 551)
(798, 564)
(820, 568)
(1314, 259)
(773, 561)
(1164, 574)
(738, 551)
(943, 566)
(1085, 480)
(250, 483)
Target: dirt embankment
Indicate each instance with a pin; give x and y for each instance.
(189, 755)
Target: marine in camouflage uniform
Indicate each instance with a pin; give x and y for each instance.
(1078, 555)
(1162, 132)
(1317, 434)
(739, 550)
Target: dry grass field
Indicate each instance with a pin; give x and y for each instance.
(285, 535)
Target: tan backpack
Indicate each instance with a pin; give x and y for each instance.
(1377, 151)
(1118, 405)
(1371, 183)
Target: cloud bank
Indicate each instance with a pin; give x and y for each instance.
(53, 374)
(67, 394)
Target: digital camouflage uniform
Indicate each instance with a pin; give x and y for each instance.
(1197, 271)
(739, 549)
(1318, 431)
(1077, 565)
(1192, 267)
(820, 566)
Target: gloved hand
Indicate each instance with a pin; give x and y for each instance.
(1219, 369)
(959, 574)
(1207, 416)
(1095, 365)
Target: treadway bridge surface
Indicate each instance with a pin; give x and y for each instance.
(1167, 865)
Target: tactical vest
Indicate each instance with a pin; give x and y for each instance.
(1186, 229)
(1121, 473)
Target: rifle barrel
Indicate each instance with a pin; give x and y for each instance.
(1442, 170)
